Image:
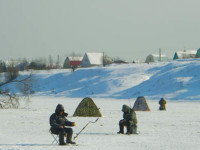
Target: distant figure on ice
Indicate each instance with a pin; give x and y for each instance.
(162, 103)
(129, 120)
(58, 123)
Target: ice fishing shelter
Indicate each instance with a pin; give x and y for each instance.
(87, 108)
(141, 104)
(92, 59)
(186, 54)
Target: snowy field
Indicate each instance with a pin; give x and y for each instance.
(178, 128)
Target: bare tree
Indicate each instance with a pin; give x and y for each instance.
(2, 67)
(58, 62)
(12, 73)
(50, 62)
(23, 64)
(107, 60)
(11, 99)
(38, 64)
(8, 100)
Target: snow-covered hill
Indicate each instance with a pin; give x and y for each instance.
(175, 80)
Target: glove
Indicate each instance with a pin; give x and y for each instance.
(65, 114)
(73, 123)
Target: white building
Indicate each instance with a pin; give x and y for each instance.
(92, 59)
(186, 54)
(156, 58)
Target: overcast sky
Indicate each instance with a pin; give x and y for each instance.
(129, 29)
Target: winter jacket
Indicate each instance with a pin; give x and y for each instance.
(56, 120)
(129, 115)
(162, 103)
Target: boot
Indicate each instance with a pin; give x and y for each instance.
(120, 132)
(134, 130)
(129, 131)
(121, 129)
(71, 142)
(61, 138)
(69, 138)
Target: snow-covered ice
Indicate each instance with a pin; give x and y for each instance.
(174, 129)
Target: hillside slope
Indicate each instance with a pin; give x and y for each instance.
(176, 80)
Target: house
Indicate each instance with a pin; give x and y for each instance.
(186, 54)
(198, 53)
(92, 59)
(156, 58)
(72, 62)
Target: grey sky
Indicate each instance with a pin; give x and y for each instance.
(129, 29)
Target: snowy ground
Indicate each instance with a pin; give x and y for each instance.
(178, 128)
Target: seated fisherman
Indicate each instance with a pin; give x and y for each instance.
(58, 123)
(129, 120)
(162, 103)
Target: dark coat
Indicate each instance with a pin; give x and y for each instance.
(129, 116)
(56, 120)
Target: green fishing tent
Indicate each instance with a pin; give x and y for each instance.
(87, 108)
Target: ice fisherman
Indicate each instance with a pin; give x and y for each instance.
(58, 122)
(162, 103)
(129, 120)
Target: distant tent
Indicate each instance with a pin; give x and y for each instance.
(87, 108)
(141, 104)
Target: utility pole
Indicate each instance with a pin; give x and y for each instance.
(159, 54)
(103, 60)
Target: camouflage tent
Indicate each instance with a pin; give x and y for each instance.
(87, 108)
(141, 104)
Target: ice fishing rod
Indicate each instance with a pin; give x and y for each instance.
(130, 102)
(85, 127)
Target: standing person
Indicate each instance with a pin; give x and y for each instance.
(162, 103)
(129, 120)
(58, 123)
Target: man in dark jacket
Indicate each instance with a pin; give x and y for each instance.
(162, 103)
(129, 120)
(58, 123)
